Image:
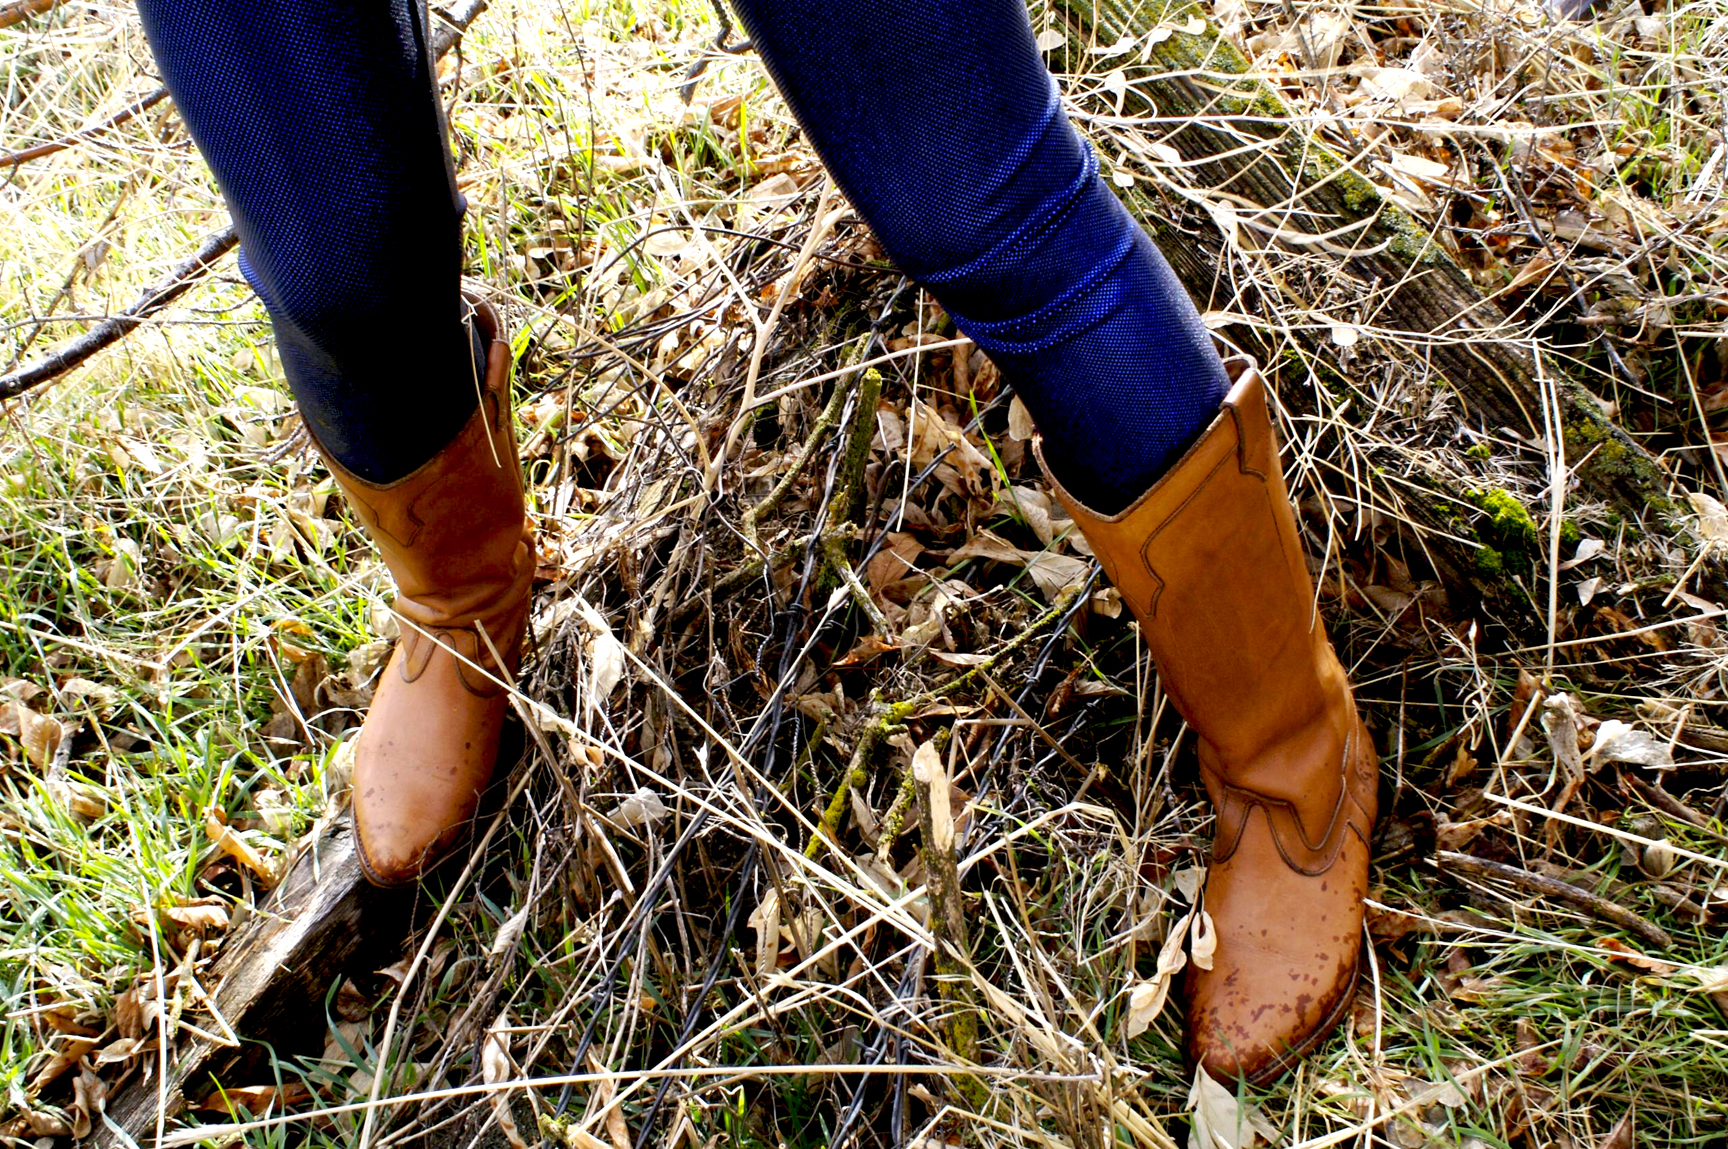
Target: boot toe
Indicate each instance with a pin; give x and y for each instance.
(1241, 1033)
(392, 854)
(426, 752)
(1285, 961)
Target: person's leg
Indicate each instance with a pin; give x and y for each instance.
(320, 119)
(941, 123)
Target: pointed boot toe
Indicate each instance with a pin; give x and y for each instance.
(419, 769)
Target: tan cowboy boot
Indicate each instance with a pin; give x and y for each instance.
(1210, 563)
(455, 535)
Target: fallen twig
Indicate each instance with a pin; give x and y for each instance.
(79, 348)
(38, 151)
(76, 350)
(1555, 888)
(21, 10)
(1669, 804)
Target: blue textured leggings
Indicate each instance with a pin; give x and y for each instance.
(937, 118)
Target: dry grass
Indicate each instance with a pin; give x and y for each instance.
(660, 930)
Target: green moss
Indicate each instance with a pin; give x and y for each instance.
(1609, 464)
(1507, 516)
(1569, 533)
(1480, 450)
(1509, 537)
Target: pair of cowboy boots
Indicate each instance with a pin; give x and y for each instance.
(1208, 560)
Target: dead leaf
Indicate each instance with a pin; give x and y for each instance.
(40, 1124)
(1632, 957)
(893, 562)
(509, 930)
(606, 662)
(1587, 550)
(66, 1054)
(1146, 1000)
(1055, 574)
(1560, 719)
(40, 735)
(430, 972)
(1712, 518)
(268, 870)
(495, 1066)
(1421, 168)
(1044, 516)
(933, 437)
(868, 649)
(989, 545)
(80, 799)
(1216, 1116)
(1538, 268)
(89, 1100)
(1390, 925)
(1202, 940)
(1619, 1137)
(1617, 741)
(255, 1100)
(644, 807)
(1625, 624)
(202, 917)
(1052, 573)
(129, 1009)
(119, 1050)
(765, 920)
(1463, 765)
(1711, 981)
(1020, 425)
(612, 1113)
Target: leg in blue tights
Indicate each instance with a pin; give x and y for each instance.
(321, 121)
(937, 117)
(941, 123)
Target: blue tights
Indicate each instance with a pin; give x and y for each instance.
(937, 117)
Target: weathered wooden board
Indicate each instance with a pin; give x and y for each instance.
(271, 979)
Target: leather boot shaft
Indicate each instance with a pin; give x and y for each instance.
(453, 532)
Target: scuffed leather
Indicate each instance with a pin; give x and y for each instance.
(455, 535)
(1211, 564)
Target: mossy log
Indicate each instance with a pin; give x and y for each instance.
(1246, 162)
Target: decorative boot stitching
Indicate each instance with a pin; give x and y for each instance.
(405, 534)
(1158, 584)
(1285, 823)
(418, 649)
(1242, 467)
(1242, 444)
